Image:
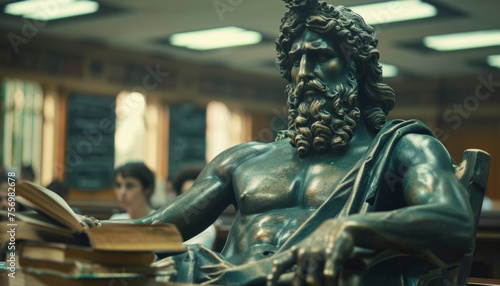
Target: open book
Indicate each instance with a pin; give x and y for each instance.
(47, 202)
(54, 214)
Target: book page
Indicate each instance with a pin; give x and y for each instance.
(136, 237)
(51, 204)
(40, 219)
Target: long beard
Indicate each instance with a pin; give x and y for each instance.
(325, 122)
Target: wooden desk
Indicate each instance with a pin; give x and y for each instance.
(486, 258)
(483, 282)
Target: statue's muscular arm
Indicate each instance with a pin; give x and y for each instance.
(437, 224)
(211, 193)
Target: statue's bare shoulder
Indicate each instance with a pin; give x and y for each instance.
(420, 149)
(230, 159)
(426, 167)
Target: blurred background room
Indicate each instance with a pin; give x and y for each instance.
(87, 86)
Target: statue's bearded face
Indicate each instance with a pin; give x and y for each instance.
(322, 100)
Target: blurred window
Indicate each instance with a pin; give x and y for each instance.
(226, 127)
(130, 127)
(22, 103)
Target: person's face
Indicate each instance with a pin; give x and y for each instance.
(315, 57)
(129, 192)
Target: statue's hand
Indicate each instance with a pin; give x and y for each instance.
(90, 222)
(318, 258)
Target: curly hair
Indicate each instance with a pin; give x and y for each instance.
(354, 39)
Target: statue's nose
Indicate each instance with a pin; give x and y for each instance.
(305, 69)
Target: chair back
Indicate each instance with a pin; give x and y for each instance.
(473, 175)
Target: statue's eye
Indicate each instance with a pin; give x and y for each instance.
(296, 62)
(322, 57)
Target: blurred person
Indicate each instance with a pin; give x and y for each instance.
(61, 188)
(4, 193)
(27, 173)
(134, 185)
(180, 184)
(185, 179)
(3, 171)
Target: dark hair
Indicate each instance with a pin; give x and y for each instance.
(28, 173)
(184, 175)
(141, 172)
(356, 41)
(59, 187)
(3, 178)
(3, 172)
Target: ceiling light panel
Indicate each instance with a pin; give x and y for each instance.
(395, 11)
(494, 61)
(389, 70)
(46, 10)
(462, 41)
(216, 38)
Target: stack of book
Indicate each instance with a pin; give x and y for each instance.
(53, 246)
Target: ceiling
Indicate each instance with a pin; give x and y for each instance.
(145, 26)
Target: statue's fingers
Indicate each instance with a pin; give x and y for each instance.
(280, 264)
(332, 270)
(339, 254)
(302, 265)
(328, 270)
(315, 268)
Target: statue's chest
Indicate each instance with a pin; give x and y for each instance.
(275, 182)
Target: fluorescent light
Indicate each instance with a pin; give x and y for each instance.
(30, 6)
(494, 61)
(49, 9)
(215, 38)
(389, 70)
(461, 41)
(395, 11)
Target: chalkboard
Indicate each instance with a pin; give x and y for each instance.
(89, 163)
(187, 143)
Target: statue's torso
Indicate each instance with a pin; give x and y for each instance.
(282, 192)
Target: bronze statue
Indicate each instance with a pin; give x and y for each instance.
(346, 186)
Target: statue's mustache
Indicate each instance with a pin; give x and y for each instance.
(305, 85)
